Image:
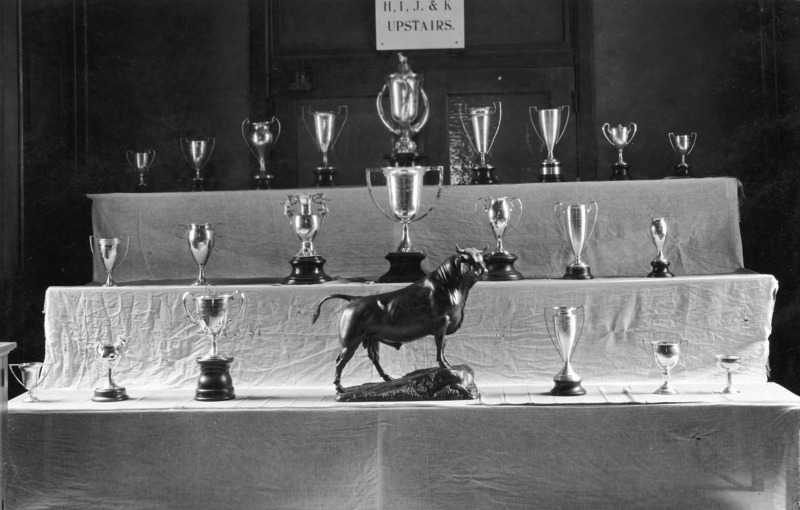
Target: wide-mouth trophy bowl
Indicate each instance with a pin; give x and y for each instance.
(31, 375)
(141, 162)
(106, 251)
(666, 354)
(109, 355)
(549, 125)
(197, 153)
(200, 238)
(730, 363)
(261, 138)
(212, 314)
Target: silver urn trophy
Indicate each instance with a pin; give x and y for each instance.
(500, 262)
(200, 238)
(107, 251)
(565, 336)
(481, 120)
(572, 220)
(30, 376)
(109, 354)
(552, 123)
(620, 137)
(197, 153)
(658, 234)
(306, 212)
(325, 135)
(260, 138)
(141, 162)
(683, 146)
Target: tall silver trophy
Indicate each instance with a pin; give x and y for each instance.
(406, 115)
(30, 376)
(109, 353)
(306, 212)
(197, 153)
(260, 138)
(404, 187)
(658, 234)
(107, 251)
(212, 313)
(572, 222)
(500, 262)
(325, 136)
(481, 120)
(201, 238)
(552, 123)
(682, 145)
(620, 137)
(565, 336)
(141, 161)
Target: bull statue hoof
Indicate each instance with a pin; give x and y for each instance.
(454, 383)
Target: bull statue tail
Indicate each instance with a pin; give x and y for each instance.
(332, 296)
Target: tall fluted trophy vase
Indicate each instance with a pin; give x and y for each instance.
(658, 234)
(260, 138)
(573, 225)
(500, 262)
(620, 137)
(325, 135)
(201, 238)
(106, 251)
(481, 121)
(306, 212)
(565, 337)
(552, 123)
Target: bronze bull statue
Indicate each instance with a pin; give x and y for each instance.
(433, 305)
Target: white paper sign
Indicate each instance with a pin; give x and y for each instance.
(419, 24)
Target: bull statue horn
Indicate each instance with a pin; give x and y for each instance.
(459, 250)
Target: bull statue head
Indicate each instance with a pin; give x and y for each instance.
(471, 260)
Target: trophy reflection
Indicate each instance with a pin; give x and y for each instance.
(306, 222)
(30, 377)
(404, 187)
(325, 136)
(260, 140)
(730, 364)
(658, 234)
(197, 154)
(200, 237)
(109, 354)
(552, 125)
(565, 337)
(481, 118)
(141, 161)
(682, 145)
(666, 354)
(574, 226)
(620, 137)
(500, 262)
(211, 313)
(106, 251)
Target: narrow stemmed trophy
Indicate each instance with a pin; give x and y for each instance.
(405, 118)
(666, 354)
(141, 161)
(481, 118)
(404, 186)
(500, 262)
(201, 237)
(109, 354)
(682, 145)
(730, 364)
(197, 154)
(30, 377)
(620, 137)
(306, 222)
(106, 251)
(260, 138)
(211, 313)
(565, 337)
(658, 234)
(577, 235)
(551, 129)
(325, 136)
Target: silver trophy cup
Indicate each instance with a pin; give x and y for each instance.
(481, 142)
(552, 123)
(405, 117)
(201, 238)
(197, 154)
(683, 146)
(325, 133)
(666, 354)
(30, 377)
(565, 336)
(260, 138)
(306, 212)
(109, 354)
(658, 234)
(500, 262)
(730, 363)
(211, 313)
(619, 137)
(107, 252)
(141, 161)
(572, 222)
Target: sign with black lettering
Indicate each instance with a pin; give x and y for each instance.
(419, 24)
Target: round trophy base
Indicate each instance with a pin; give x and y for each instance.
(501, 267)
(324, 176)
(142, 188)
(483, 175)
(215, 381)
(551, 172)
(404, 267)
(682, 170)
(198, 184)
(660, 270)
(619, 172)
(307, 271)
(110, 394)
(264, 181)
(567, 388)
(578, 273)
(403, 158)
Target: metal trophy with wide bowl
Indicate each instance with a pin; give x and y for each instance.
(552, 123)
(565, 336)
(107, 251)
(109, 353)
(197, 153)
(620, 137)
(481, 120)
(306, 212)
(31, 375)
(260, 139)
(500, 262)
(683, 146)
(200, 238)
(573, 225)
(212, 314)
(141, 162)
(325, 135)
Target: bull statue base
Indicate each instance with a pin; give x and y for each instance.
(454, 383)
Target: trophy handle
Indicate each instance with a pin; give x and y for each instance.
(382, 115)
(184, 142)
(245, 122)
(128, 154)
(589, 209)
(275, 120)
(241, 306)
(322, 202)
(672, 143)
(127, 245)
(499, 109)
(519, 216)
(424, 120)
(192, 317)
(693, 136)
(632, 129)
(211, 150)
(462, 111)
(559, 209)
(606, 127)
(341, 126)
(532, 109)
(566, 121)
(287, 206)
(305, 122)
(185, 231)
(372, 195)
(580, 333)
(551, 333)
(438, 192)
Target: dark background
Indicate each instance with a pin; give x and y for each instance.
(100, 77)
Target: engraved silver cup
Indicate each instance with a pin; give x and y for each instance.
(260, 139)
(405, 118)
(109, 353)
(619, 137)
(325, 133)
(30, 377)
(499, 211)
(141, 161)
(197, 153)
(211, 313)
(552, 123)
(481, 118)
(306, 222)
(730, 364)
(201, 238)
(575, 224)
(106, 251)
(666, 354)
(682, 145)
(404, 184)
(565, 336)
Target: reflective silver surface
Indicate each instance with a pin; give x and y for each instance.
(211, 313)
(405, 118)
(197, 152)
(109, 353)
(141, 161)
(481, 118)
(666, 354)
(106, 251)
(260, 139)
(325, 133)
(730, 363)
(658, 234)
(552, 123)
(574, 221)
(30, 377)
(307, 220)
(499, 211)
(564, 336)
(682, 144)
(200, 237)
(619, 137)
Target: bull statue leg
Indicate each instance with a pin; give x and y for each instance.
(441, 340)
(341, 361)
(373, 348)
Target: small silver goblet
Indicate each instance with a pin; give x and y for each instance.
(730, 363)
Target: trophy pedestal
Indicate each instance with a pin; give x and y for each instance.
(403, 158)
(306, 271)
(110, 394)
(198, 184)
(660, 270)
(501, 267)
(324, 176)
(567, 388)
(582, 272)
(215, 381)
(404, 267)
(682, 170)
(551, 172)
(619, 172)
(142, 187)
(264, 181)
(483, 175)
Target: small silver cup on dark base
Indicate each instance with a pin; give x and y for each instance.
(620, 137)
(109, 354)
(141, 161)
(500, 262)
(197, 154)
(307, 265)
(658, 234)
(201, 238)
(481, 120)
(682, 145)
(106, 251)
(325, 136)
(573, 227)
(260, 139)
(565, 337)
(30, 376)
(552, 125)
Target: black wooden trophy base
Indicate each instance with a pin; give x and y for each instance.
(198, 184)
(403, 158)
(501, 267)
(551, 172)
(324, 176)
(117, 394)
(483, 175)
(567, 389)
(660, 270)
(682, 170)
(578, 273)
(307, 271)
(264, 181)
(215, 381)
(404, 267)
(619, 172)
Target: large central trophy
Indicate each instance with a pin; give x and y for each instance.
(552, 125)
(260, 138)
(481, 121)
(307, 264)
(325, 136)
